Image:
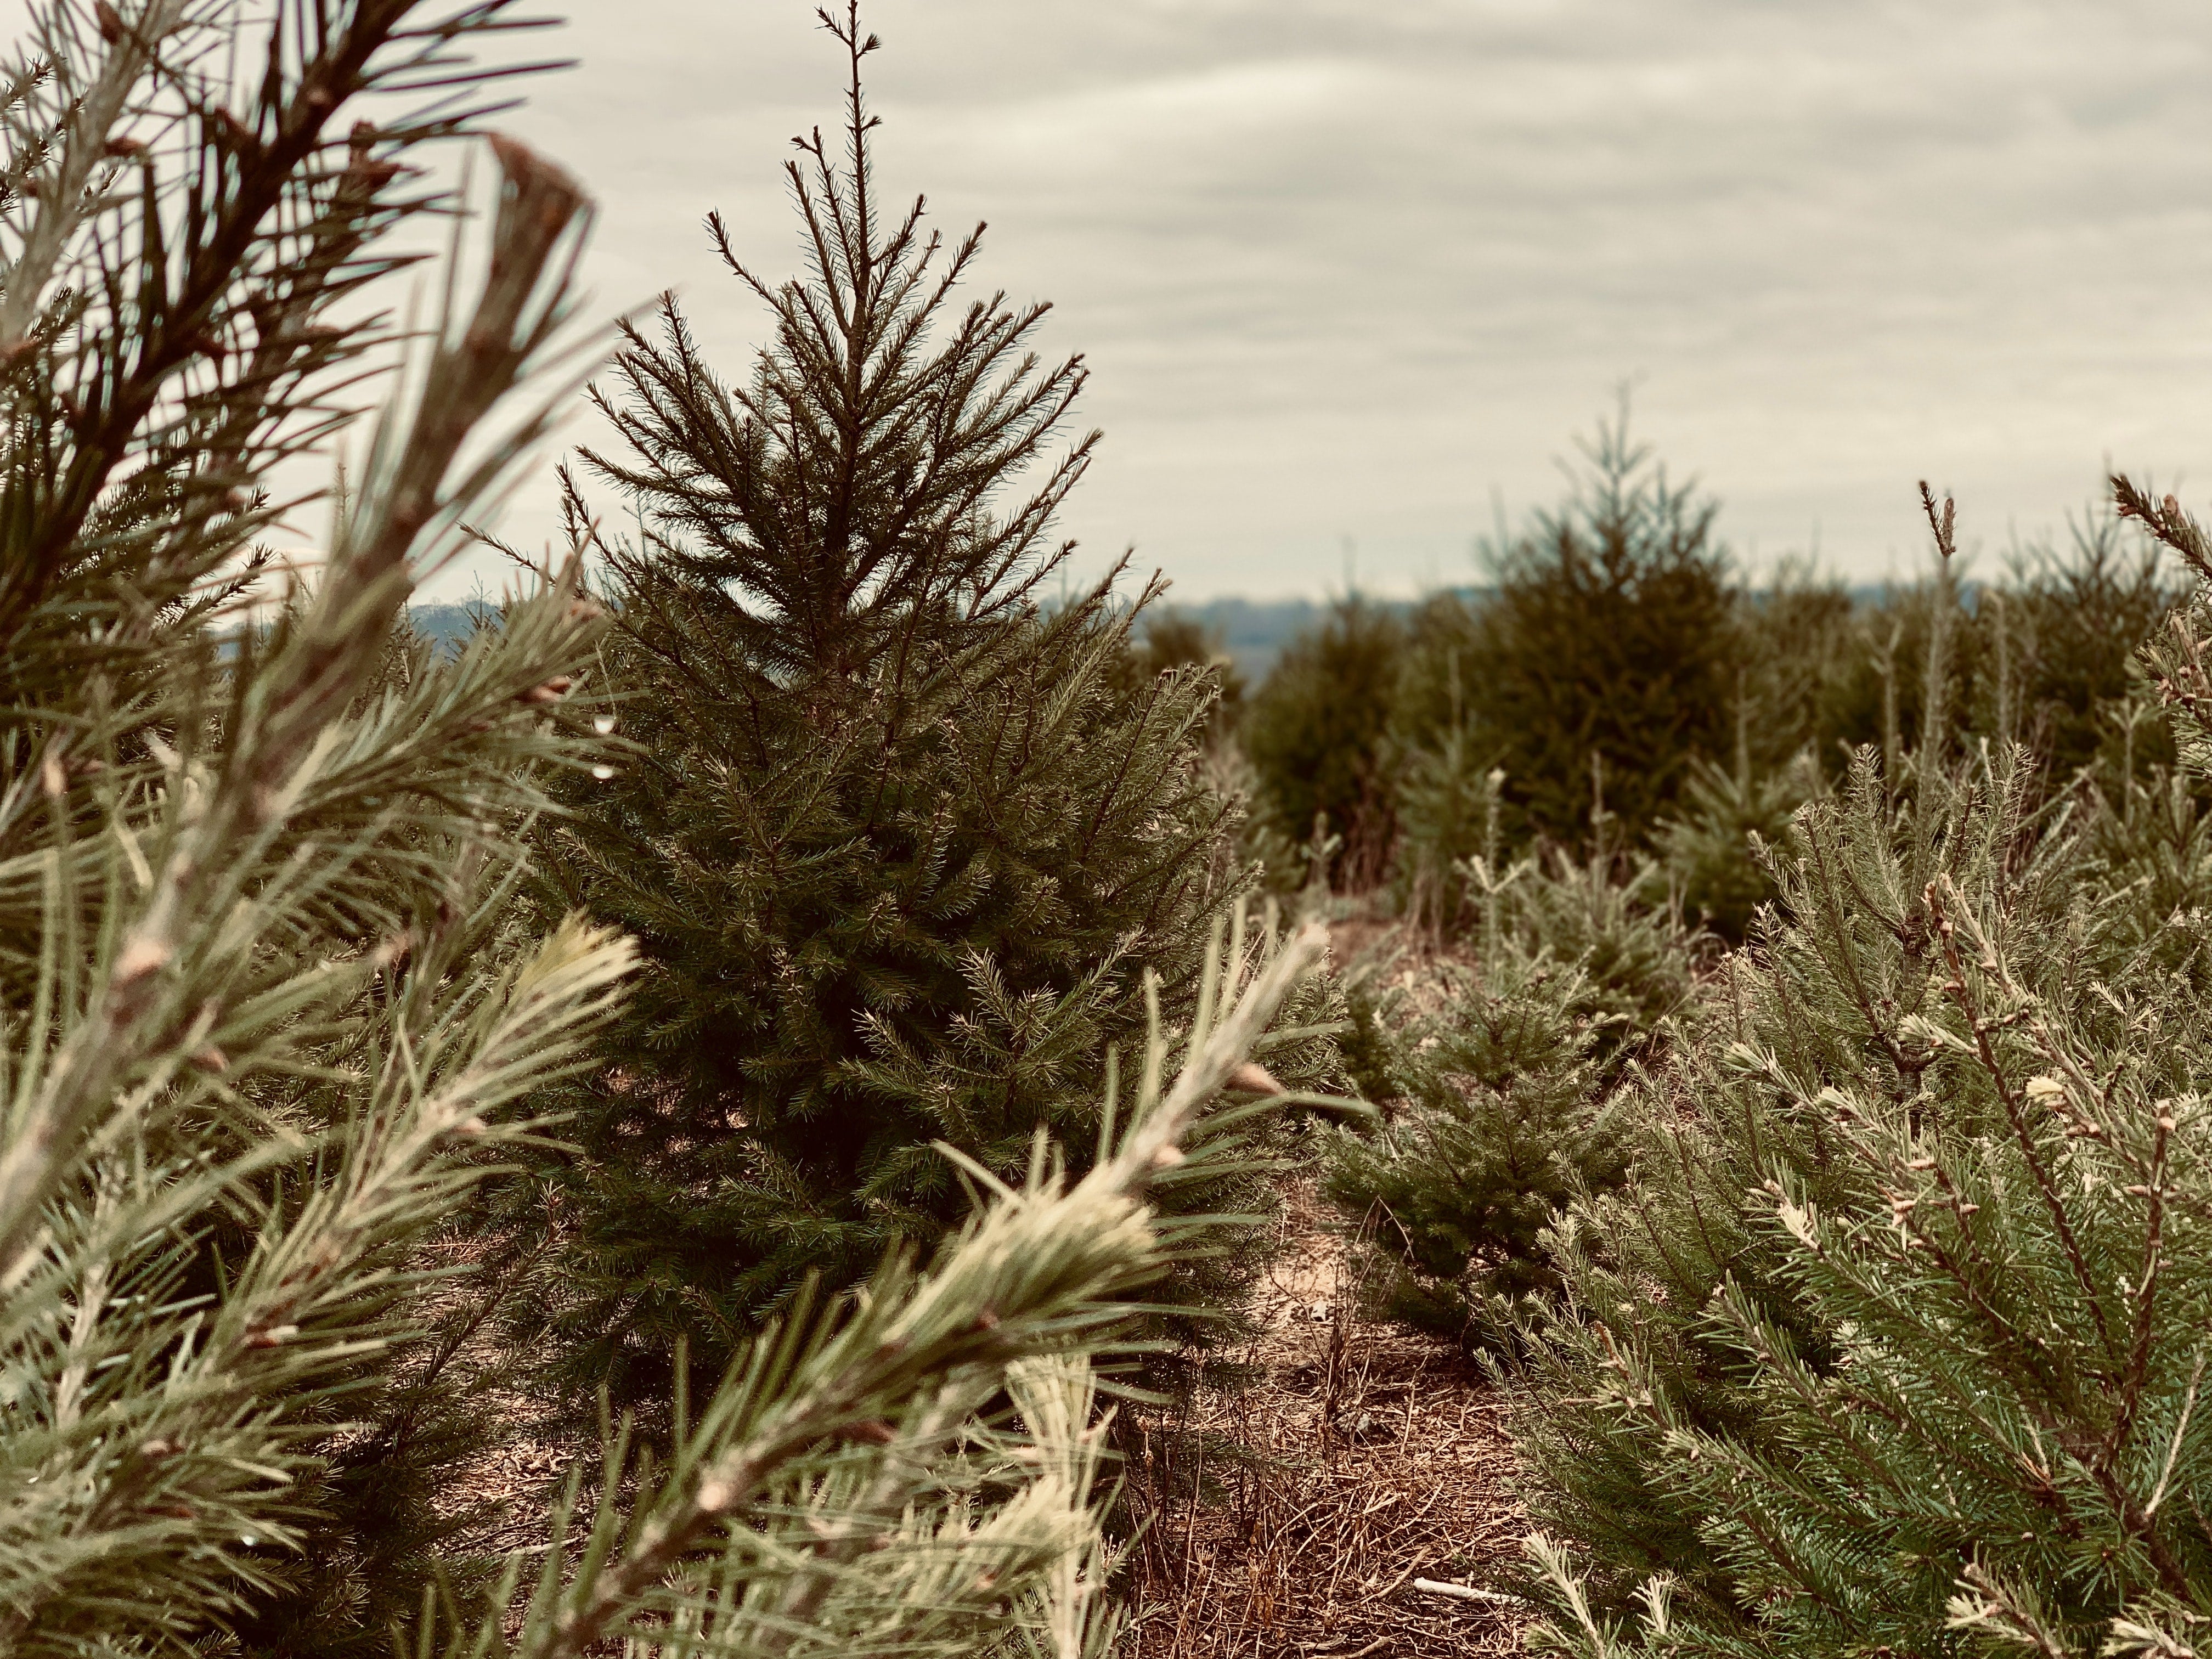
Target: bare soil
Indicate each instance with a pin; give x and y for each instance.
(1356, 1458)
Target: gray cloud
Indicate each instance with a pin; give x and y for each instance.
(1344, 267)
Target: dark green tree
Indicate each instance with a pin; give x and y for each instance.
(1317, 734)
(1443, 793)
(1447, 812)
(1714, 854)
(1440, 663)
(2044, 655)
(1496, 1069)
(1608, 657)
(1799, 639)
(900, 846)
(2059, 639)
(1496, 1117)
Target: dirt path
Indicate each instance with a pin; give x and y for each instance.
(1360, 1458)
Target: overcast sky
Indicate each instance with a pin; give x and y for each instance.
(1345, 270)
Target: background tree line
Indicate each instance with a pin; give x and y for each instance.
(1791, 1090)
(1638, 695)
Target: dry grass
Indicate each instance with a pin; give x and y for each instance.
(1356, 1458)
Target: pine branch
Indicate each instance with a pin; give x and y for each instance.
(1035, 1271)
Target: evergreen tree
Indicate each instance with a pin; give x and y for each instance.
(256, 972)
(1497, 1074)
(2149, 852)
(1634, 955)
(1714, 855)
(1607, 659)
(245, 858)
(1447, 814)
(1497, 1118)
(897, 844)
(1317, 734)
(2046, 656)
(1799, 640)
(267, 1010)
(1446, 786)
(1895, 1340)
(1441, 664)
(2060, 637)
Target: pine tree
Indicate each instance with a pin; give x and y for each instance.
(1606, 658)
(1800, 641)
(1497, 1118)
(270, 1012)
(1714, 852)
(1442, 662)
(1447, 814)
(1895, 1340)
(1447, 784)
(898, 843)
(1172, 640)
(2060, 641)
(1317, 734)
(1497, 1072)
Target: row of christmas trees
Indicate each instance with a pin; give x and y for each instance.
(413, 1055)
(1849, 1289)
(1633, 691)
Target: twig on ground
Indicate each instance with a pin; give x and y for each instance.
(1465, 1592)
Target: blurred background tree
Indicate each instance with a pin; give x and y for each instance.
(1317, 731)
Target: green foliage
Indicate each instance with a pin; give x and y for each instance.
(1260, 849)
(855, 1483)
(247, 859)
(1447, 813)
(1448, 792)
(898, 846)
(269, 1014)
(2149, 857)
(1801, 641)
(2043, 657)
(1833, 991)
(1607, 659)
(261, 989)
(1496, 1120)
(1317, 731)
(1714, 854)
(1440, 671)
(2061, 639)
(1894, 1339)
(1634, 956)
(1498, 1079)
(1172, 640)
(1635, 698)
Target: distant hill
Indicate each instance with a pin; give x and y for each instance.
(1253, 631)
(450, 625)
